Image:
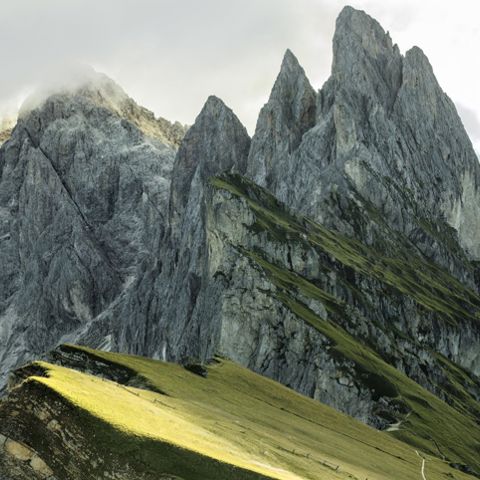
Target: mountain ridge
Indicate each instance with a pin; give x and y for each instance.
(335, 251)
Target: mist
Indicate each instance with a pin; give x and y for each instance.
(171, 55)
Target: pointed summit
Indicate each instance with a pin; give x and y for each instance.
(217, 142)
(364, 57)
(288, 114)
(353, 22)
(290, 61)
(213, 105)
(291, 76)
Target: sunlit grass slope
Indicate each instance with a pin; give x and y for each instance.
(233, 417)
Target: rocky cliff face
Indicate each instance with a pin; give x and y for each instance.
(84, 190)
(385, 134)
(346, 267)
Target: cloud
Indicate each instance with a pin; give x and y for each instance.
(170, 55)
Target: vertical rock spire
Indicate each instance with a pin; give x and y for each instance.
(217, 142)
(364, 57)
(288, 114)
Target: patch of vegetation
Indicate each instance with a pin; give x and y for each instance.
(235, 420)
(408, 273)
(446, 430)
(458, 386)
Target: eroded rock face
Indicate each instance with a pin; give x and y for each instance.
(289, 113)
(260, 331)
(83, 200)
(385, 135)
(165, 313)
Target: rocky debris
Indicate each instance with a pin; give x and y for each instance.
(22, 462)
(197, 369)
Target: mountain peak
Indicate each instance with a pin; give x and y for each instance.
(213, 106)
(290, 61)
(352, 22)
(216, 115)
(416, 56)
(358, 35)
(290, 76)
(364, 57)
(216, 142)
(92, 89)
(291, 110)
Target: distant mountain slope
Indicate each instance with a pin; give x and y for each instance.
(145, 419)
(316, 334)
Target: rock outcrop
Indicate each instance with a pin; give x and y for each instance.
(83, 200)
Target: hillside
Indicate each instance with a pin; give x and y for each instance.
(123, 415)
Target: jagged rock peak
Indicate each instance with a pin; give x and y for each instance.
(416, 65)
(357, 25)
(213, 105)
(216, 142)
(364, 57)
(290, 62)
(359, 22)
(291, 85)
(288, 114)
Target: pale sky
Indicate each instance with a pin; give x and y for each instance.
(170, 55)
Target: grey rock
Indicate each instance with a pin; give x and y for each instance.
(83, 200)
(289, 113)
(259, 331)
(166, 313)
(108, 239)
(385, 136)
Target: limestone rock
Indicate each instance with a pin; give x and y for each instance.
(83, 196)
(288, 114)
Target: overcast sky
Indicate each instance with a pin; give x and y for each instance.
(169, 55)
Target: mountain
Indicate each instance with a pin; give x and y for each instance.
(84, 189)
(335, 252)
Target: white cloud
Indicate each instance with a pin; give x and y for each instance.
(171, 54)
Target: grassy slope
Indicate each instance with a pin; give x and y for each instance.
(432, 425)
(428, 284)
(236, 417)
